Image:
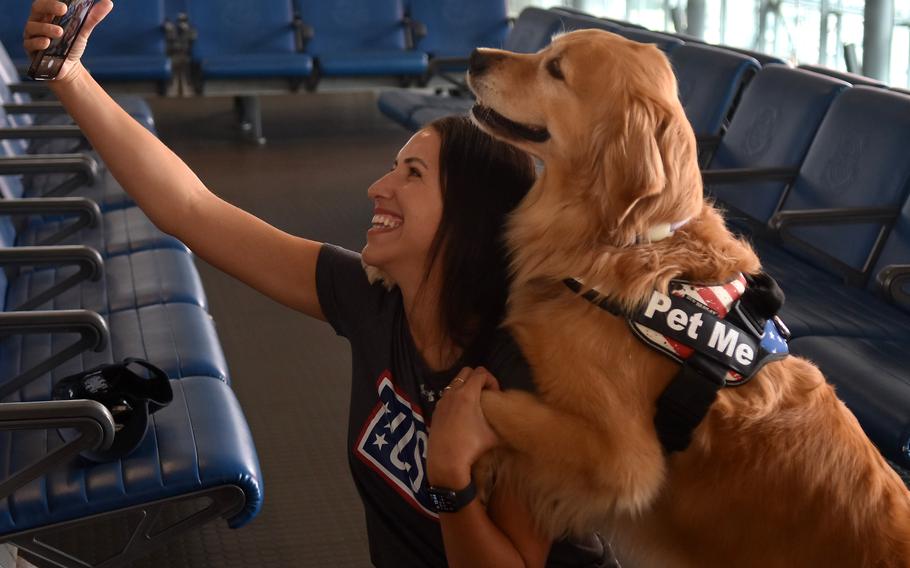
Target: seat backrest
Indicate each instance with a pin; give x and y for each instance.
(664, 42)
(710, 79)
(132, 28)
(456, 27)
(344, 26)
(230, 27)
(773, 127)
(762, 58)
(858, 159)
(533, 30)
(852, 78)
(12, 23)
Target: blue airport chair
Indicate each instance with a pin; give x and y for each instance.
(531, 32)
(238, 39)
(15, 14)
(852, 78)
(453, 28)
(710, 82)
(132, 45)
(575, 12)
(15, 92)
(857, 163)
(360, 38)
(761, 57)
(774, 125)
(664, 42)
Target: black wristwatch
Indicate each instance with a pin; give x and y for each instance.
(451, 501)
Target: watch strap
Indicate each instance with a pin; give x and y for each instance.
(451, 501)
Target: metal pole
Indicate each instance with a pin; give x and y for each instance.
(696, 13)
(878, 28)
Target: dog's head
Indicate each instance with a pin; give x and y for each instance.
(603, 114)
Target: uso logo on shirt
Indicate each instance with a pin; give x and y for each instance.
(393, 443)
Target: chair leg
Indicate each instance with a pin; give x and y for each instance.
(224, 502)
(250, 110)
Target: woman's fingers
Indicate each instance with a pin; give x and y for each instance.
(42, 29)
(97, 13)
(36, 44)
(44, 10)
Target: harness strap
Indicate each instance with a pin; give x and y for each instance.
(710, 363)
(686, 401)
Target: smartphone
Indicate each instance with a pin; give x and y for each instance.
(47, 63)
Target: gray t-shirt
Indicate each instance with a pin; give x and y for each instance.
(393, 395)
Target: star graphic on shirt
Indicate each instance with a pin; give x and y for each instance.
(380, 441)
(385, 408)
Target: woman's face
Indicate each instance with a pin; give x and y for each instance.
(407, 208)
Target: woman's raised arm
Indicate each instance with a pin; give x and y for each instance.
(277, 264)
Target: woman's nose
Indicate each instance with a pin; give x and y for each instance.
(382, 187)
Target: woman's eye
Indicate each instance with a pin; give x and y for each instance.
(414, 172)
(554, 69)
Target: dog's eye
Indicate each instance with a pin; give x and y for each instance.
(554, 69)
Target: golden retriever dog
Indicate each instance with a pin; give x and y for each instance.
(779, 472)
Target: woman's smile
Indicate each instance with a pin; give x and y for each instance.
(385, 221)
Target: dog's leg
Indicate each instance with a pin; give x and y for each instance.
(574, 472)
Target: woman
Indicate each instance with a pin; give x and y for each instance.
(419, 333)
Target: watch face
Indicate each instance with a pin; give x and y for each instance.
(443, 500)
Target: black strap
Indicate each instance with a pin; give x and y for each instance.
(686, 401)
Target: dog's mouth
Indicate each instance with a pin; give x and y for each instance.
(508, 127)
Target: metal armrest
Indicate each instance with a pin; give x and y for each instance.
(80, 164)
(87, 212)
(738, 175)
(707, 143)
(91, 327)
(30, 88)
(783, 221)
(892, 280)
(90, 418)
(41, 132)
(303, 33)
(37, 107)
(834, 216)
(87, 259)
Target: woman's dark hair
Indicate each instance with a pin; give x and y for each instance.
(482, 181)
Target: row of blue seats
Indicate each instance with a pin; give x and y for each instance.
(710, 78)
(88, 282)
(297, 40)
(813, 170)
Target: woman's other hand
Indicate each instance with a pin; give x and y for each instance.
(39, 32)
(460, 433)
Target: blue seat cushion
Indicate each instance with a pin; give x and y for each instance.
(817, 303)
(872, 377)
(252, 65)
(156, 276)
(414, 110)
(179, 338)
(106, 191)
(379, 62)
(124, 231)
(129, 68)
(200, 440)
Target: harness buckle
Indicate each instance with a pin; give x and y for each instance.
(781, 327)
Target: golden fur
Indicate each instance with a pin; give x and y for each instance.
(779, 474)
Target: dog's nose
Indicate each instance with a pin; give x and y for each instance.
(481, 61)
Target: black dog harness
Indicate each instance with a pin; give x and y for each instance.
(720, 334)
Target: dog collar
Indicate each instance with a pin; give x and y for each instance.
(721, 335)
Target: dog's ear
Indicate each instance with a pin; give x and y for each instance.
(633, 162)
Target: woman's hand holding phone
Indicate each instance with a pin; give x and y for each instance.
(40, 32)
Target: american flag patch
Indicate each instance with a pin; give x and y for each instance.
(393, 443)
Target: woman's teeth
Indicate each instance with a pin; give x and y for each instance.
(386, 222)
